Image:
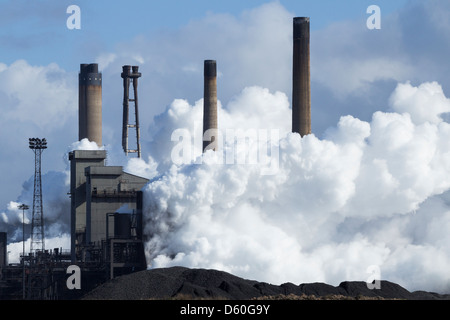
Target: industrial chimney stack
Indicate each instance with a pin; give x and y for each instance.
(90, 103)
(301, 88)
(210, 129)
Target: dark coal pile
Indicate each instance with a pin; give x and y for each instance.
(180, 282)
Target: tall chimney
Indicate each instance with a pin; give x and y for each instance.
(301, 87)
(90, 103)
(210, 130)
(82, 102)
(3, 250)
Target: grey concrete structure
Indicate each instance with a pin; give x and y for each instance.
(90, 103)
(3, 250)
(210, 127)
(79, 161)
(97, 193)
(301, 87)
(107, 190)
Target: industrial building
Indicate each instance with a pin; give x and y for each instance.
(105, 216)
(99, 233)
(106, 213)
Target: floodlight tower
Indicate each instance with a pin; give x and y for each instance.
(37, 221)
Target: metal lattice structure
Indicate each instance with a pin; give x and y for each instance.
(37, 221)
(130, 74)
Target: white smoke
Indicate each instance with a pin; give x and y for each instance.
(85, 144)
(369, 193)
(15, 249)
(56, 205)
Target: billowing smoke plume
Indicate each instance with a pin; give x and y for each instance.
(368, 194)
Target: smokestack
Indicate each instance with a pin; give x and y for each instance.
(210, 130)
(90, 103)
(82, 102)
(301, 87)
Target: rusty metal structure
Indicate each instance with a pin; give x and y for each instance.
(105, 216)
(210, 128)
(301, 87)
(130, 74)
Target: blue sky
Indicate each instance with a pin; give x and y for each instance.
(36, 30)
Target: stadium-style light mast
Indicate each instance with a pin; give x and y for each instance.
(37, 221)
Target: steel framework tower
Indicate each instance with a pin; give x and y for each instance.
(130, 74)
(37, 221)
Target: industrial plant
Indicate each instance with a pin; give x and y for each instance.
(106, 212)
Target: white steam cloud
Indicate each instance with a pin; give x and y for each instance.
(369, 193)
